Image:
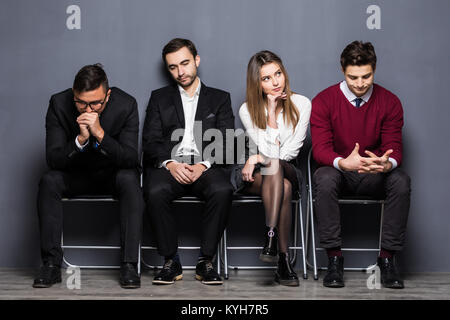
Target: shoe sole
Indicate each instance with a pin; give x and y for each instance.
(177, 278)
(392, 286)
(216, 282)
(334, 285)
(130, 286)
(41, 286)
(289, 283)
(267, 258)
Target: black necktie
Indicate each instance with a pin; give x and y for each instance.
(358, 102)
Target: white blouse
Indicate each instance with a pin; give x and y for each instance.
(290, 141)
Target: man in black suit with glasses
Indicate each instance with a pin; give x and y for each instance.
(91, 149)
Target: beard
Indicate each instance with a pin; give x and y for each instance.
(191, 77)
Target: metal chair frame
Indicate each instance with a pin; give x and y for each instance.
(297, 217)
(310, 224)
(187, 200)
(65, 247)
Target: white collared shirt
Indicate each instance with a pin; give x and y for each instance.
(351, 97)
(187, 146)
(290, 140)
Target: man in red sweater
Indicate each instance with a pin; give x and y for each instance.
(356, 129)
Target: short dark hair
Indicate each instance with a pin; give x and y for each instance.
(90, 77)
(358, 53)
(175, 45)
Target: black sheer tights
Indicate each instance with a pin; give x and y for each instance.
(275, 184)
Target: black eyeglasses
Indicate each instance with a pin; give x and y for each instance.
(94, 105)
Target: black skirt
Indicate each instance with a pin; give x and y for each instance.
(239, 184)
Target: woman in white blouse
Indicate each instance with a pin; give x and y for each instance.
(276, 120)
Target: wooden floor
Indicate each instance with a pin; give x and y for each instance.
(242, 284)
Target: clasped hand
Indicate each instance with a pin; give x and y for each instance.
(89, 123)
(185, 173)
(371, 164)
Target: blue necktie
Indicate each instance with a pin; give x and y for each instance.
(358, 102)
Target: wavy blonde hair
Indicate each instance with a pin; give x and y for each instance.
(256, 98)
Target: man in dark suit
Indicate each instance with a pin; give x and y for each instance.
(91, 148)
(179, 162)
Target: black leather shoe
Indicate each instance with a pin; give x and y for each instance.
(171, 272)
(389, 274)
(204, 271)
(49, 274)
(285, 275)
(270, 251)
(129, 278)
(335, 273)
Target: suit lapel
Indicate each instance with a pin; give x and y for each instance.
(176, 97)
(202, 104)
(109, 114)
(71, 114)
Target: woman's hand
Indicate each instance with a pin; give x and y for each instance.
(247, 171)
(272, 101)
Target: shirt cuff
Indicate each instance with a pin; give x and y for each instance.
(79, 146)
(394, 163)
(164, 164)
(336, 163)
(207, 164)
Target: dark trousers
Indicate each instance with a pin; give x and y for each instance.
(331, 184)
(122, 184)
(160, 189)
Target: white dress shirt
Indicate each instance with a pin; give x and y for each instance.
(351, 97)
(290, 140)
(187, 146)
(79, 146)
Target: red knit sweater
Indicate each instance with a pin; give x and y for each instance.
(336, 125)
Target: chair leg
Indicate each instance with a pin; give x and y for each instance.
(139, 260)
(381, 225)
(305, 274)
(219, 256)
(294, 254)
(313, 238)
(225, 254)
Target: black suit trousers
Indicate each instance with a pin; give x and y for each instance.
(330, 184)
(122, 184)
(160, 189)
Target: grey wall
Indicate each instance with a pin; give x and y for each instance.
(39, 56)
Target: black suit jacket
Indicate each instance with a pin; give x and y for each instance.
(165, 114)
(119, 148)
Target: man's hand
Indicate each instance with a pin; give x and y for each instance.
(196, 171)
(84, 134)
(353, 162)
(180, 171)
(376, 164)
(92, 121)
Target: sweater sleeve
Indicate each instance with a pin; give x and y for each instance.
(391, 130)
(322, 133)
